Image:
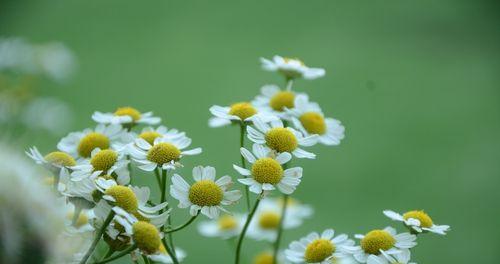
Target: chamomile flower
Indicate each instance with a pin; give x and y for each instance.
(150, 134)
(387, 239)
(81, 144)
(267, 171)
(78, 223)
(242, 112)
(106, 161)
(206, 194)
(308, 118)
(126, 116)
(53, 161)
(266, 257)
(275, 101)
(403, 257)
(418, 221)
(281, 139)
(164, 153)
(291, 68)
(315, 248)
(225, 226)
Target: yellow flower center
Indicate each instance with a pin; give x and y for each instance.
(227, 222)
(281, 100)
(81, 221)
(267, 170)
(205, 193)
(288, 60)
(319, 250)
(146, 237)
(281, 139)
(376, 240)
(128, 111)
(242, 110)
(104, 160)
(162, 153)
(124, 196)
(91, 141)
(313, 122)
(269, 220)
(162, 249)
(150, 136)
(60, 158)
(263, 258)
(425, 219)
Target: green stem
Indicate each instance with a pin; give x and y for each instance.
(158, 178)
(129, 166)
(280, 228)
(243, 232)
(243, 163)
(183, 225)
(109, 252)
(163, 198)
(98, 236)
(170, 252)
(289, 83)
(146, 260)
(123, 253)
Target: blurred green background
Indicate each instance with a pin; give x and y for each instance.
(416, 83)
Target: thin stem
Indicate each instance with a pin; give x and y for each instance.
(183, 225)
(289, 83)
(98, 236)
(243, 163)
(146, 260)
(158, 178)
(280, 228)
(123, 253)
(109, 252)
(243, 232)
(129, 166)
(163, 198)
(170, 252)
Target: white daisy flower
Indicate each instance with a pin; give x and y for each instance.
(78, 223)
(275, 101)
(53, 160)
(81, 144)
(267, 171)
(403, 257)
(281, 139)
(164, 153)
(106, 161)
(242, 112)
(225, 226)
(266, 257)
(150, 134)
(418, 221)
(291, 68)
(387, 240)
(315, 248)
(206, 194)
(126, 116)
(308, 118)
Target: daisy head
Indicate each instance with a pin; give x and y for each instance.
(53, 160)
(418, 221)
(402, 257)
(241, 113)
(308, 118)
(378, 240)
(281, 139)
(267, 173)
(206, 194)
(316, 248)
(225, 226)
(81, 144)
(291, 68)
(165, 152)
(126, 116)
(150, 134)
(78, 221)
(275, 101)
(106, 162)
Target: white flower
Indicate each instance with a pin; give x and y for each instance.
(225, 226)
(126, 115)
(82, 221)
(206, 194)
(316, 248)
(81, 144)
(53, 161)
(267, 172)
(107, 162)
(308, 118)
(150, 134)
(164, 153)
(403, 257)
(291, 68)
(275, 101)
(238, 112)
(418, 221)
(387, 240)
(280, 138)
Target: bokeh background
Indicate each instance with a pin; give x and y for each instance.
(416, 83)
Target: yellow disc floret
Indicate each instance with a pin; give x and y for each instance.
(281, 139)
(104, 160)
(376, 240)
(91, 141)
(227, 222)
(60, 158)
(313, 122)
(150, 136)
(124, 197)
(319, 250)
(425, 219)
(129, 111)
(263, 258)
(282, 100)
(146, 237)
(267, 170)
(205, 193)
(242, 110)
(163, 152)
(269, 220)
